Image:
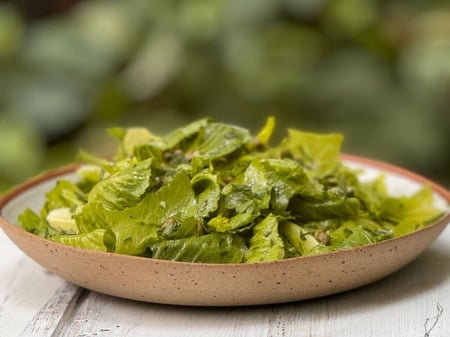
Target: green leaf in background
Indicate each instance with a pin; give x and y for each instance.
(11, 30)
(356, 67)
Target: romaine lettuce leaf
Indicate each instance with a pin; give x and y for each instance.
(408, 214)
(219, 140)
(136, 227)
(357, 232)
(236, 224)
(98, 239)
(130, 138)
(209, 248)
(124, 188)
(306, 210)
(319, 153)
(207, 192)
(33, 223)
(304, 242)
(65, 194)
(265, 243)
(181, 135)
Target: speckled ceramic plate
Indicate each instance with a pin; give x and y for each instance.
(183, 283)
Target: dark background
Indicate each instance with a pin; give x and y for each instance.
(378, 72)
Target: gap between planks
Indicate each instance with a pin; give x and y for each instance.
(56, 312)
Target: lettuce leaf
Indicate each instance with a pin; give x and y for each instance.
(408, 214)
(319, 153)
(181, 135)
(136, 227)
(65, 194)
(219, 140)
(306, 210)
(236, 224)
(209, 248)
(99, 239)
(33, 223)
(123, 189)
(304, 242)
(207, 192)
(265, 243)
(358, 232)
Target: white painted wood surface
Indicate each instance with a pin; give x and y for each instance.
(406, 304)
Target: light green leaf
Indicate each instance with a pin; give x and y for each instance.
(218, 140)
(265, 243)
(209, 248)
(124, 188)
(65, 194)
(320, 153)
(98, 239)
(408, 214)
(207, 191)
(357, 232)
(303, 241)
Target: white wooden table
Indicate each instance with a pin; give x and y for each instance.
(414, 302)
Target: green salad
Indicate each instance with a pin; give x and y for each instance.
(214, 193)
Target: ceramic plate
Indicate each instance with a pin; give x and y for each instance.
(182, 283)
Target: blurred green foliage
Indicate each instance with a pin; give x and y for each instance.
(379, 72)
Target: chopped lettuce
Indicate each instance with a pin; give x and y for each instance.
(265, 243)
(99, 239)
(213, 193)
(304, 242)
(124, 188)
(210, 248)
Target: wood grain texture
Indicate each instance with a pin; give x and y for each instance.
(54, 314)
(405, 304)
(25, 288)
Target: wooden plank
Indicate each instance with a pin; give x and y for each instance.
(101, 315)
(53, 315)
(397, 306)
(25, 290)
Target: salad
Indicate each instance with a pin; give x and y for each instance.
(214, 193)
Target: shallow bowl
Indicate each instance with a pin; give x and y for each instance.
(200, 284)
